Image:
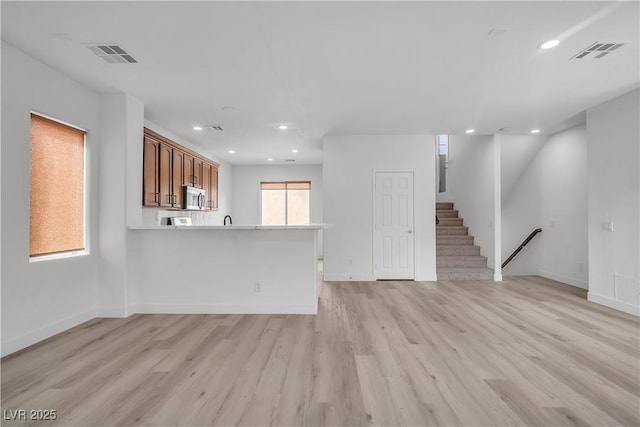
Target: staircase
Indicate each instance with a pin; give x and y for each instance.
(457, 258)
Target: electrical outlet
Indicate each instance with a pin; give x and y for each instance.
(580, 266)
(349, 262)
(257, 287)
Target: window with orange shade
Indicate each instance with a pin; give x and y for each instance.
(285, 202)
(57, 201)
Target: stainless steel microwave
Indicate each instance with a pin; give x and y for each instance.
(193, 198)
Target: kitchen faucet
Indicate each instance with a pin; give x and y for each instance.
(230, 220)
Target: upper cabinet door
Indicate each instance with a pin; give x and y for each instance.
(166, 194)
(177, 177)
(213, 194)
(187, 174)
(210, 178)
(150, 185)
(206, 184)
(198, 172)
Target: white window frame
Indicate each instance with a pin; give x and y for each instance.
(286, 202)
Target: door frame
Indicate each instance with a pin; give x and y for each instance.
(373, 217)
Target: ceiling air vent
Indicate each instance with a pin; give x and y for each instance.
(113, 54)
(214, 127)
(598, 50)
(289, 160)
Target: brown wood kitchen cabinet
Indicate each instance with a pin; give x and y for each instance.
(164, 176)
(187, 173)
(151, 171)
(193, 170)
(177, 176)
(210, 185)
(167, 166)
(213, 183)
(198, 172)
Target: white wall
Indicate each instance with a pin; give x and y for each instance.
(613, 196)
(516, 153)
(471, 186)
(246, 190)
(521, 204)
(216, 271)
(551, 193)
(349, 162)
(225, 186)
(122, 118)
(562, 163)
(42, 298)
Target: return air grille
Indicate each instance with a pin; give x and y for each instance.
(113, 54)
(598, 50)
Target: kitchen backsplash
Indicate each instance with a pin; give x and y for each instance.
(160, 217)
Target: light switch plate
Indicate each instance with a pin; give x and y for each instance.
(607, 226)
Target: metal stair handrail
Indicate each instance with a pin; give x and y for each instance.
(533, 234)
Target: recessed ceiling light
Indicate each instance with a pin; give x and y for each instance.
(283, 127)
(197, 128)
(469, 131)
(269, 159)
(535, 131)
(231, 151)
(228, 109)
(294, 151)
(549, 44)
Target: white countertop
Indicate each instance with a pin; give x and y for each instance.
(228, 227)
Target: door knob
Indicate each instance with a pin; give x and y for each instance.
(409, 231)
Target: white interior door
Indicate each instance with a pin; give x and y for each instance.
(393, 225)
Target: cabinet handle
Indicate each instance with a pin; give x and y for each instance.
(195, 179)
(155, 196)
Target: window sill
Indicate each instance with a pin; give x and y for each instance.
(72, 254)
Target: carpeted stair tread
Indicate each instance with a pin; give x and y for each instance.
(457, 258)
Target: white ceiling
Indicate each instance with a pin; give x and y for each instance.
(337, 67)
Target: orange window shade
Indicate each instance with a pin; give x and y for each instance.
(57, 187)
(273, 185)
(303, 185)
(287, 185)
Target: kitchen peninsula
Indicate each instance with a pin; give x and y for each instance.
(224, 269)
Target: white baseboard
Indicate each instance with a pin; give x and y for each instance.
(33, 337)
(13, 345)
(348, 278)
(222, 309)
(369, 278)
(110, 312)
(616, 305)
(578, 283)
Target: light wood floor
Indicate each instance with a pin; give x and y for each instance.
(527, 351)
